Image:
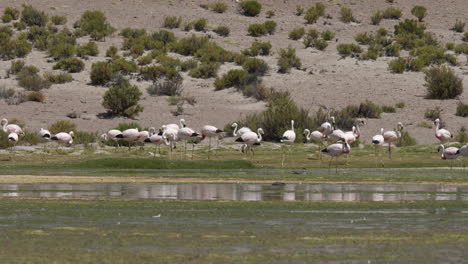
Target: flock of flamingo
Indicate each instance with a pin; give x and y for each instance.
(169, 134)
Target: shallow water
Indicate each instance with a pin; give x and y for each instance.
(243, 191)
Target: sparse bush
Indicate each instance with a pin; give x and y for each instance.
(270, 26)
(31, 81)
(319, 44)
(348, 49)
(462, 109)
(314, 13)
(188, 26)
(257, 91)
(172, 22)
(397, 65)
(218, 7)
(200, 24)
(419, 12)
(95, 24)
(442, 83)
(256, 67)
(257, 30)
(364, 38)
(346, 15)
(233, 78)
(111, 51)
(392, 13)
(459, 26)
(205, 70)
(36, 97)
(19, 25)
(16, 66)
(406, 140)
(33, 17)
(465, 37)
(145, 60)
(400, 105)
(155, 72)
(58, 77)
(288, 60)
(62, 126)
(250, 8)
(313, 33)
(433, 114)
(462, 136)
(430, 55)
(59, 20)
(89, 49)
(6, 18)
(393, 50)
(6, 93)
(222, 31)
(70, 65)
(327, 35)
(376, 17)
(270, 13)
(188, 65)
(297, 33)
(101, 73)
(123, 66)
(366, 109)
(16, 48)
(170, 87)
(258, 48)
(164, 36)
(190, 45)
(122, 99)
(388, 109)
(461, 48)
(299, 10)
(11, 12)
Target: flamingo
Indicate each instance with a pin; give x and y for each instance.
(450, 153)
(210, 132)
(156, 138)
(378, 141)
(170, 134)
(315, 136)
(129, 135)
(185, 133)
(63, 137)
(289, 136)
(11, 128)
(336, 150)
(239, 133)
(13, 137)
(464, 153)
(44, 134)
(327, 128)
(251, 139)
(392, 136)
(176, 126)
(113, 134)
(442, 134)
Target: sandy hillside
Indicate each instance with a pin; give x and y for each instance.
(326, 79)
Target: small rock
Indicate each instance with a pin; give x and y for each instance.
(72, 115)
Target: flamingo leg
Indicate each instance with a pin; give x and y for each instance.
(390, 150)
(193, 148)
(329, 164)
(282, 156)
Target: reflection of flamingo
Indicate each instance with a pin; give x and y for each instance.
(392, 136)
(251, 139)
(442, 134)
(336, 150)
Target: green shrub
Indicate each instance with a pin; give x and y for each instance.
(85, 138)
(70, 65)
(172, 22)
(346, 15)
(419, 12)
(222, 31)
(188, 64)
(16, 66)
(145, 60)
(364, 38)
(288, 60)
(170, 87)
(392, 13)
(299, 10)
(250, 8)
(31, 81)
(256, 67)
(314, 13)
(59, 20)
(233, 78)
(257, 30)
(397, 65)
(88, 49)
(12, 12)
(308, 41)
(62, 126)
(61, 45)
(188, 26)
(459, 26)
(218, 7)
(6, 18)
(442, 83)
(16, 48)
(214, 53)
(260, 48)
(327, 35)
(200, 24)
(270, 26)
(205, 70)
(297, 33)
(190, 45)
(366, 109)
(164, 36)
(35, 97)
(33, 17)
(101, 73)
(462, 136)
(461, 48)
(111, 51)
(424, 124)
(376, 17)
(256, 91)
(462, 109)
(319, 44)
(122, 99)
(393, 50)
(465, 37)
(270, 13)
(123, 66)
(348, 49)
(19, 25)
(388, 109)
(94, 23)
(58, 77)
(313, 33)
(406, 140)
(430, 55)
(433, 114)
(400, 105)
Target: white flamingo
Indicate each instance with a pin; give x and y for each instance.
(289, 136)
(185, 133)
(64, 138)
(176, 126)
(239, 133)
(210, 132)
(156, 138)
(450, 153)
(251, 139)
(11, 128)
(378, 140)
(336, 150)
(170, 134)
(315, 136)
(44, 134)
(13, 137)
(442, 134)
(326, 128)
(130, 135)
(114, 135)
(392, 136)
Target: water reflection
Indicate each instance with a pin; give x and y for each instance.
(244, 191)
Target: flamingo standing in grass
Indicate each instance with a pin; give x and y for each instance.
(114, 135)
(130, 135)
(210, 132)
(442, 134)
(239, 133)
(450, 153)
(289, 136)
(170, 134)
(44, 134)
(378, 140)
(392, 136)
(327, 128)
(336, 150)
(13, 137)
(184, 134)
(156, 138)
(64, 138)
(315, 136)
(11, 128)
(251, 139)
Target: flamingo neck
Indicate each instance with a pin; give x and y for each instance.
(308, 134)
(292, 125)
(437, 126)
(235, 130)
(259, 136)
